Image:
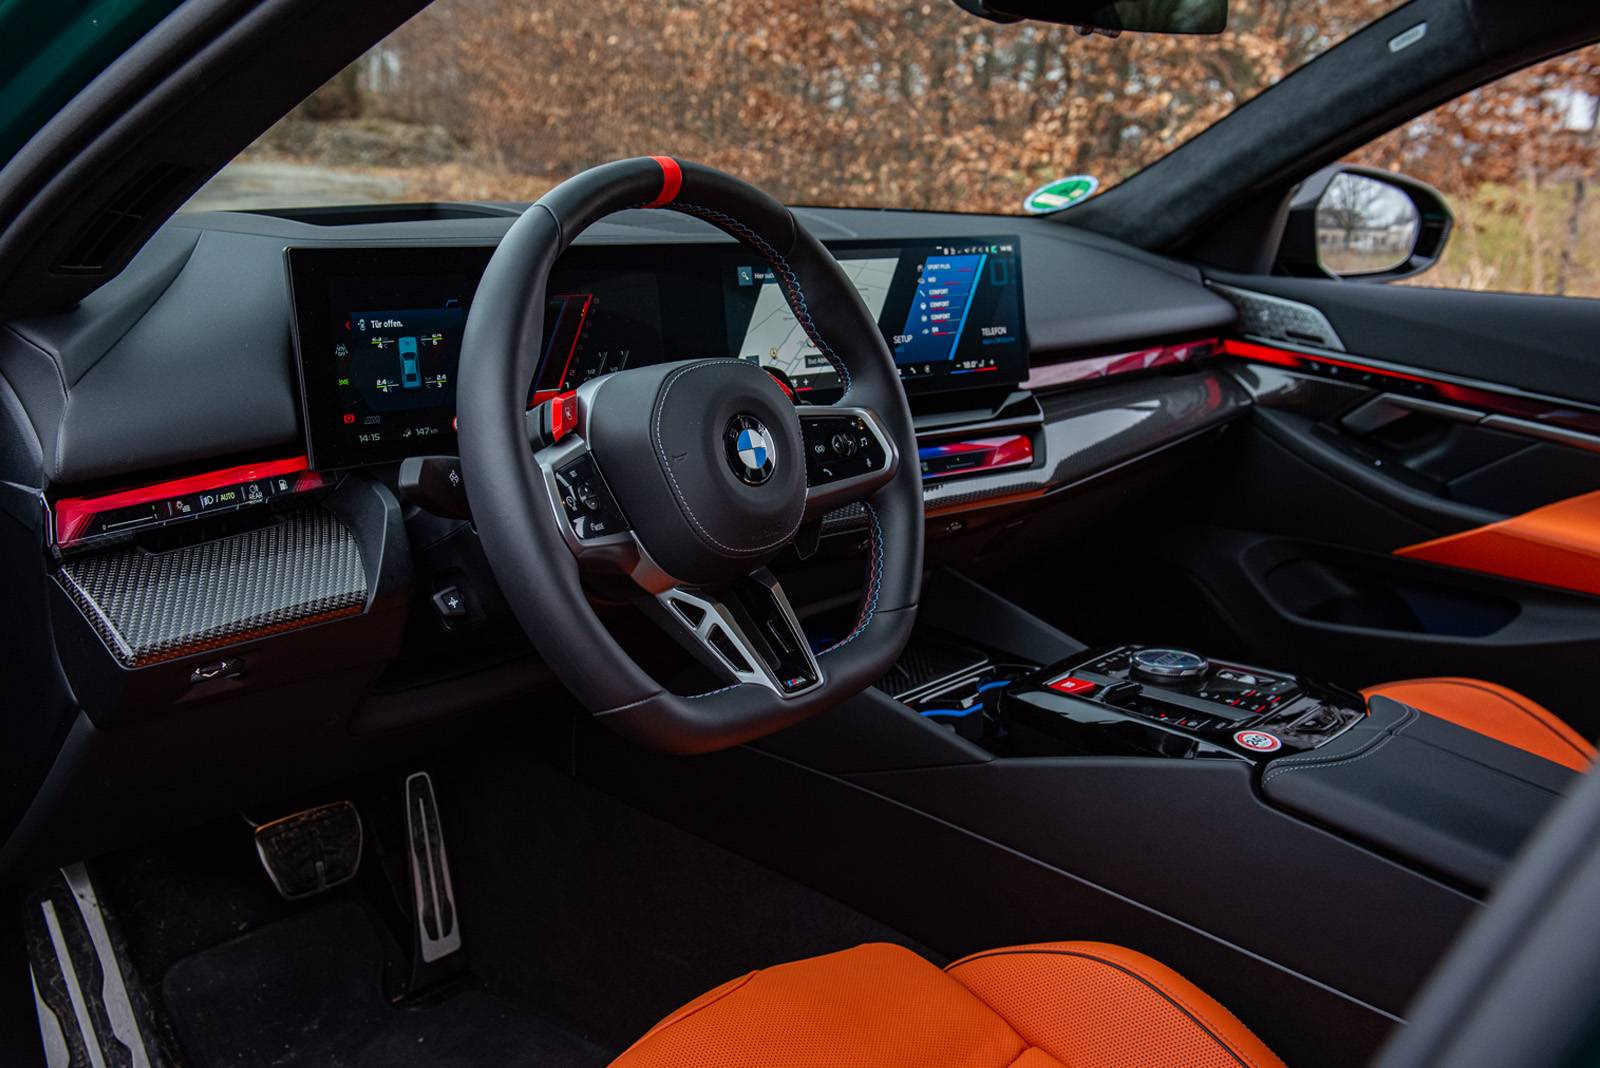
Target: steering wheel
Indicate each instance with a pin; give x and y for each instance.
(687, 477)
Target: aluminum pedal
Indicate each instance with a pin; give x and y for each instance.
(311, 851)
(86, 1017)
(438, 929)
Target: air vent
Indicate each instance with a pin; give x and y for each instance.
(370, 214)
(119, 227)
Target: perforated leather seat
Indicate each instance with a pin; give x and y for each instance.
(1077, 1004)
(1500, 713)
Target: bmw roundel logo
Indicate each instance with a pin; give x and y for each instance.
(750, 451)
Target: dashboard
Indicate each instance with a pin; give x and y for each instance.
(379, 330)
(205, 381)
(217, 571)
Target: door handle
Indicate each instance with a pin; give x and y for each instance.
(1389, 408)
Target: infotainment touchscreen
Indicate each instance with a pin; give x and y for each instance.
(950, 310)
(378, 330)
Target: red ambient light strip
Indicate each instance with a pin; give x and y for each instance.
(73, 514)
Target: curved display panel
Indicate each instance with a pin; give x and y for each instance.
(378, 329)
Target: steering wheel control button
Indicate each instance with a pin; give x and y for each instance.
(1257, 741)
(586, 500)
(751, 452)
(1071, 684)
(839, 447)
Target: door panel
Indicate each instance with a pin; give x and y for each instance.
(1539, 344)
(1422, 503)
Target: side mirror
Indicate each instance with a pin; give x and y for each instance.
(1357, 222)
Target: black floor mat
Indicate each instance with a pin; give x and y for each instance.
(606, 916)
(307, 991)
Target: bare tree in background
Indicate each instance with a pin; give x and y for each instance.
(914, 104)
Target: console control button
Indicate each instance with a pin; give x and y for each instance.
(1257, 741)
(1169, 664)
(1075, 686)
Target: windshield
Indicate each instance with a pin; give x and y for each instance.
(884, 103)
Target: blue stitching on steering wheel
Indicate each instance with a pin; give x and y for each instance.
(870, 602)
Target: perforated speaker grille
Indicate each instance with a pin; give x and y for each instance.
(149, 607)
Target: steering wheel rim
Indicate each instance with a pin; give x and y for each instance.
(529, 540)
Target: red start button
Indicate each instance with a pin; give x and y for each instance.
(1074, 685)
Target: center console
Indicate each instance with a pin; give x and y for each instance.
(1438, 798)
(1137, 699)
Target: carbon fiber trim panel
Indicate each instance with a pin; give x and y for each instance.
(1281, 319)
(148, 607)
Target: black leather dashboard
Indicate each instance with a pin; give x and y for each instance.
(187, 356)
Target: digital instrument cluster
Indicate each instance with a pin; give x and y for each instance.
(378, 330)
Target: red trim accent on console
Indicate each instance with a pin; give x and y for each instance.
(671, 182)
(74, 513)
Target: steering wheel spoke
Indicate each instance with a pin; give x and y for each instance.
(849, 457)
(746, 633)
(592, 524)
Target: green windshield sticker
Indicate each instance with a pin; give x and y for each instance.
(1060, 194)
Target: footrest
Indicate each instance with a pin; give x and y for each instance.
(311, 851)
(438, 934)
(90, 1013)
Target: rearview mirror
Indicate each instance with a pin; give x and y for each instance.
(1360, 223)
(1115, 16)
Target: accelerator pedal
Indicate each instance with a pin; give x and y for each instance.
(311, 851)
(434, 898)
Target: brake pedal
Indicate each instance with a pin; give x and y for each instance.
(438, 929)
(311, 851)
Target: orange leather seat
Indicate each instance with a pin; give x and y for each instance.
(1502, 714)
(1056, 1005)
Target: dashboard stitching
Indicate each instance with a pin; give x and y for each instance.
(869, 605)
(677, 491)
(786, 273)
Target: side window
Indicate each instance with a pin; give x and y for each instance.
(1519, 163)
